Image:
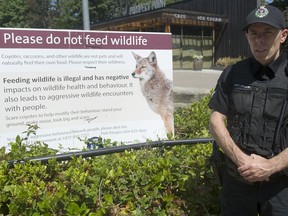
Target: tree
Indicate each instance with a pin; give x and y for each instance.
(61, 14)
(40, 13)
(12, 13)
(66, 14)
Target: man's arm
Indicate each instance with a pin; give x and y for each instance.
(221, 135)
(261, 169)
(252, 168)
(280, 161)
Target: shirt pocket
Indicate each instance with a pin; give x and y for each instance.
(241, 99)
(274, 101)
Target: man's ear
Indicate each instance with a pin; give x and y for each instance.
(284, 35)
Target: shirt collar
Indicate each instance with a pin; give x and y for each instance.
(256, 66)
(277, 63)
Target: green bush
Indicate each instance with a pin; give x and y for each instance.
(153, 181)
(226, 61)
(192, 121)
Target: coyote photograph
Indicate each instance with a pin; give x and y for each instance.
(156, 88)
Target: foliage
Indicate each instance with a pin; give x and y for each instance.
(37, 13)
(153, 181)
(40, 13)
(226, 61)
(192, 121)
(21, 150)
(67, 14)
(12, 13)
(63, 14)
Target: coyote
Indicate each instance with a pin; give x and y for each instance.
(156, 88)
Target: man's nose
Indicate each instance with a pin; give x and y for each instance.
(260, 36)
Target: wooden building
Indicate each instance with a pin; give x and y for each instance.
(210, 28)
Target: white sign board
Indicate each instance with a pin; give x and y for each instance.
(81, 84)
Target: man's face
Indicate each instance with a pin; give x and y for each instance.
(265, 41)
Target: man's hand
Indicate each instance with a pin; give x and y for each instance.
(257, 169)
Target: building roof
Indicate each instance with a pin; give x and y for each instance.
(160, 17)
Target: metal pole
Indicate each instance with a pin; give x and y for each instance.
(112, 150)
(85, 11)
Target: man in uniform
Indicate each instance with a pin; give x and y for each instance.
(249, 121)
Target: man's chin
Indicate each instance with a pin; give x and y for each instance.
(263, 59)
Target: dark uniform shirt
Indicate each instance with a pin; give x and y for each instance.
(251, 96)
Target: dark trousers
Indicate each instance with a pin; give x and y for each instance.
(261, 198)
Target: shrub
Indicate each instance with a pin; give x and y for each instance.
(192, 121)
(152, 181)
(226, 61)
